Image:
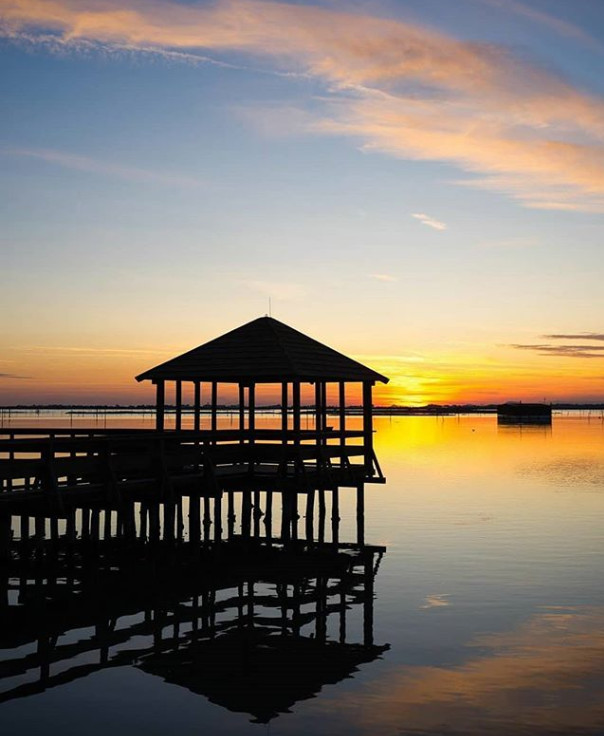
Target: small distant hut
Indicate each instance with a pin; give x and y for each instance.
(265, 351)
(517, 412)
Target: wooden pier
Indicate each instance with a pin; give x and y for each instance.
(123, 473)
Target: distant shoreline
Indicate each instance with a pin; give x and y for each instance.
(395, 410)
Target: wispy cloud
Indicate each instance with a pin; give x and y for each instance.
(566, 350)
(83, 350)
(395, 87)
(599, 337)
(429, 221)
(12, 375)
(95, 166)
(383, 277)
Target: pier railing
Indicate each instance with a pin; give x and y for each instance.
(83, 461)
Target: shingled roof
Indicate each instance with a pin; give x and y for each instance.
(262, 351)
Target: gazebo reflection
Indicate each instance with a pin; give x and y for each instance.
(253, 624)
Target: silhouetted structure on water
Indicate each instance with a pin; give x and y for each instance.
(45, 473)
(517, 412)
(232, 587)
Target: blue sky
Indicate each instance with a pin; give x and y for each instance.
(419, 184)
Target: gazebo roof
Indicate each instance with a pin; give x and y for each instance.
(262, 351)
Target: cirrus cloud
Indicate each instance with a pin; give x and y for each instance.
(395, 87)
(429, 221)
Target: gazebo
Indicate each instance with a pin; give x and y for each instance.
(267, 351)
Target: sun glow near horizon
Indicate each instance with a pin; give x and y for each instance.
(96, 375)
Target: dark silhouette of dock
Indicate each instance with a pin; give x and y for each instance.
(51, 474)
(218, 550)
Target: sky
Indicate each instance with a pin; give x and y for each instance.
(417, 183)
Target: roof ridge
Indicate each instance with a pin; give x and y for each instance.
(271, 322)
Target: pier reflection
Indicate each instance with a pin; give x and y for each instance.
(253, 620)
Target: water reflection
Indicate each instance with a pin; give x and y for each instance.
(253, 626)
(544, 677)
(490, 596)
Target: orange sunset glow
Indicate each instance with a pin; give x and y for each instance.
(420, 189)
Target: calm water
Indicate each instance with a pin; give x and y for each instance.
(490, 596)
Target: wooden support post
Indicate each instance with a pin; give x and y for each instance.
(286, 515)
(214, 406)
(178, 406)
(194, 517)
(218, 517)
(154, 522)
(40, 527)
(70, 526)
(107, 524)
(324, 410)
(342, 422)
(284, 394)
(321, 530)
(179, 519)
(335, 516)
(241, 411)
(197, 406)
(85, 523)
(294, 514)
(368, 427)
(230, 513)
(257, 513)
(142, 521)
(318, 409)
(296, 411)
(268, 516)
(252, 425)
(169, 520)
(246, 514)
(11, 457)
(310, 515)
(252, 411)
(95, 529)
(129, 520)
(207, 518)
(361, 514)
(160, 401)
